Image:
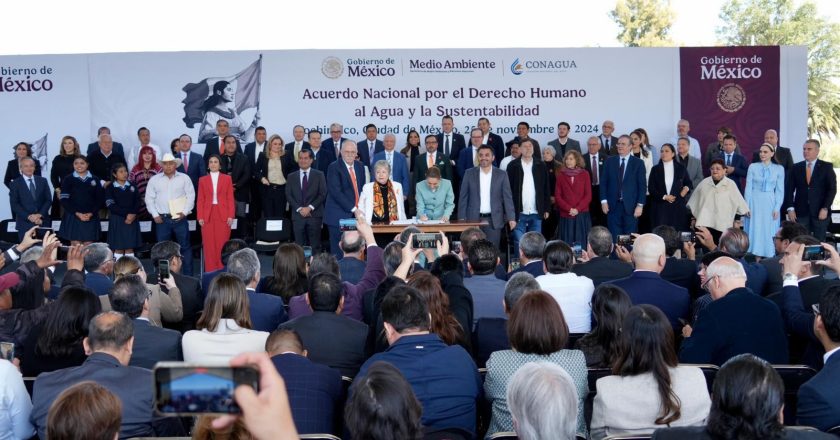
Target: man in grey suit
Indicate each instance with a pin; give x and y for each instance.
(691, 163)
(306, 190)
(481, 190)
(563, 144)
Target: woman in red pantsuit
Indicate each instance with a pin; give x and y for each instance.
(215, 213)
(572, 194)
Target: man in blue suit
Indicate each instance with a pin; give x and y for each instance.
(399, 166)
(646, 286)
(531, 247)
(368, 147)
(737, 321)
(314, 390)
(267, 311)
(809, 191)
(31, 198)
(323, 156)
(342, 194)
(735, 164)
(192, 164)
(623, 188)
(334, 141)
(818, 400)
(468, 157)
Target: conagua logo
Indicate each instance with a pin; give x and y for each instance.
(516, 68)
(731, 97)
(332, 67)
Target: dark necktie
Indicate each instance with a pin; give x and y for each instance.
(594, 170)
(446, 146)
(620, 178)
(728, 160)
(303, 187)
(31, 186)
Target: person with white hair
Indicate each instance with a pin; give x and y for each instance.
(543, 402)
(646, 286)
(382, 201)
(737, 321)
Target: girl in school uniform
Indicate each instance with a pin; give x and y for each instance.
(81, 197)
(123, 202)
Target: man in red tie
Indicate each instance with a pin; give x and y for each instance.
(217, 144)
(345, 178)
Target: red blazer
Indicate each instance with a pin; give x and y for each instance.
(568, 195)
(205, 196)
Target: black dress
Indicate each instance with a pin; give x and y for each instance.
(85, 196)
(122, 201)
(62, 166)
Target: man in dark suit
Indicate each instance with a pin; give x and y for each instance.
(594, 160)
(235, 164)
(322, 156)
(468, 157)
(252, 152)
(93, 147)
(216, 145)
(101, 161)
(623, 188)
(563, 144)
(352, 264)
(267, 311)
(398, 163)
(782, 155)
(523, 133)
(31, 198)
(314, 390)
(294, 147)
(191, 163)
(818, 400)
(680, 271)
(493, 140)
(434, 156)
(491, 333)
(330, 338)
(345, 179)
(190, 288)
(368, 147)
(646, 286)
(335, 140)
(531, 246)
(109, 342)
(449, 143)
(597, 264)
(99, 265)
(737, 321)
(306, 190)
(472, 206)
(735, 164)
(810, 187)
(608, 141)
(812, 283)
(151, 344)
(784, 237)
(531, 194)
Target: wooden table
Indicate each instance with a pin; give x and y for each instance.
(455, 226)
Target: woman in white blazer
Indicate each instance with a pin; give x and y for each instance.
(224, 328)
(648, 389)
(382, 200)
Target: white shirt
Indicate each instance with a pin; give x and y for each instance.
(505, 162)
(447, 137)
(15, 405)
(529, 192)
(218, 347)
(828, 355)
(214, 177)
(258, 148)
(485, 138)
(573, 293)
(389, 156)
(162, 188)
(134, 155)
(669, 176)
(308, 173)
(484, 190)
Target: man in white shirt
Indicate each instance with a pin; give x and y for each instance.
(191, 163)
(593, 160)
(293, 148)
(608, 141)
(145, 137)
(468, 157)
(449, 142)
(482, 190)
(515, 153)
(531, 193)
(572, 292)
(164, 191)
(683, 127)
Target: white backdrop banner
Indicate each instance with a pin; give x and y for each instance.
(397, 90)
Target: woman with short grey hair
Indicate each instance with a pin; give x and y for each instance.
(543, 402)
(381, 201)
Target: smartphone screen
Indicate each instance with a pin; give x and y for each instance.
(307, 252)
(184, 389)
(7, 351)
(41, 232)
(163, 269)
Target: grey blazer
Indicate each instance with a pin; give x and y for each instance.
(469, 201)
(695, 171)
(571, 144)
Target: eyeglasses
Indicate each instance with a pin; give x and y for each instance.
(775, 237)
(705, 286)
(816, 309)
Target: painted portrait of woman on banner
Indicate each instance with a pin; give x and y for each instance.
(221, 104)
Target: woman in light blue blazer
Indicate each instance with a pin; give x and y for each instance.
(434, 197)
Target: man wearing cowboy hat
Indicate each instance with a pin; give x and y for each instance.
(164, 192)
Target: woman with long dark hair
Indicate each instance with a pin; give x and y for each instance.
(81, 196)
(648, 362)
(444, 323)
(215, 212)
(601, 346)
(382, 406)
(221, 104)
(57, 343)
(289, 273)
(123, 202)
(669, 185)
(22, 150)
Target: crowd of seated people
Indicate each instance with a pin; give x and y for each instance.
(639, 300)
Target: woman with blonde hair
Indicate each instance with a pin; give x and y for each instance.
(224, 328)
(62, 166)
(162, 306)
(272, 168)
